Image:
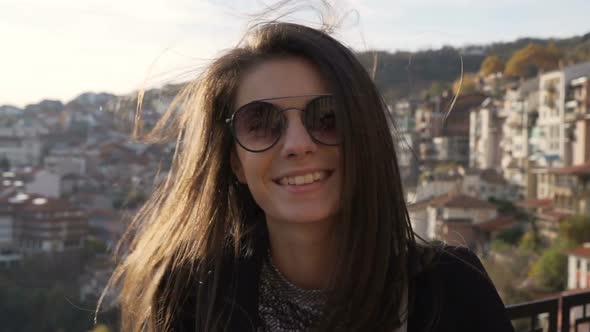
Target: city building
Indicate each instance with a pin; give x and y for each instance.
(44, 225)
(485, 135)
(521, 108)
(488, 183)
(452, 218)
(20, 141)
(553, 130)
(578, 267)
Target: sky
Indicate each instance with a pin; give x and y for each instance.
(58, 49)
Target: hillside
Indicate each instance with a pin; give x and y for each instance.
(400, 74)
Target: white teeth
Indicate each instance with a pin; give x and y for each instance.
(299, 180)
(303, 179)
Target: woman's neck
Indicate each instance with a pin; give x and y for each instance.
(304, 253)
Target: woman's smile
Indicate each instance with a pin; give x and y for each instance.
(304, 181)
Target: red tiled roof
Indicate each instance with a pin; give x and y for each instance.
(460, 200)
(555, 215)
(44, 204)
(535, 203)
(498, 224)
(583, 169)
(582, 251)
(452, 200)
(36, 203)
(419, 205)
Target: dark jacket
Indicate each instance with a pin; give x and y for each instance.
(453, 293)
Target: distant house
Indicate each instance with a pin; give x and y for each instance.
(547, 216)
(66, 161)
(490, 229)
(43, 182)
(438, 184)
(488, 183)
(520, 105)
(578, 267)
(556, 117)
(452, 218)
(452, 149)
(405, 121)
(485, 135)
(563, 192)
(20, 142)
(43, 224)
(8, 254)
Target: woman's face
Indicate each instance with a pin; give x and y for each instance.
(279, 178)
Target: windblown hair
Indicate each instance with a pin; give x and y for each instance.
(201, 214)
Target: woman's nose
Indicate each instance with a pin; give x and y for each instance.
(296, 139)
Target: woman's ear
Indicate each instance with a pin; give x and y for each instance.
(236, 166)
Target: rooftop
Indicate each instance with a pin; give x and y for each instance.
(452, 200)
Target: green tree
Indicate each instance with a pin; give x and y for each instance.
(505, 268)
(530, 241)
(491, 64)
(550, 270)
(529, 60)
(100, 328)
(511, 236)
(575, 230)
(467, 86)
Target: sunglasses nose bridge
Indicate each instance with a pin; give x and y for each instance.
(286, 118)
(288, 121)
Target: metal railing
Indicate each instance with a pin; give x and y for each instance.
(555, 314)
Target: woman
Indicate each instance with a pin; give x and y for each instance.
(284, 210)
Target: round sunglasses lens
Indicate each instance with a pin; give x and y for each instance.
(320, 120)
(257, 125)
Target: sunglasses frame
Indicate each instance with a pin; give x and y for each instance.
(230, 120)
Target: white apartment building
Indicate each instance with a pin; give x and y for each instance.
(521, 108)
(578, 267)
(44, 182)
(402, 114)
(552, 132)
(485, 134)
(20, 141)
(65, 161)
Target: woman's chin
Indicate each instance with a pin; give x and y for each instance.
(305, 219)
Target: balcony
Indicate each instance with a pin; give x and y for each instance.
(559, 314)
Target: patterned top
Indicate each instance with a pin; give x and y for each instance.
(284, 307)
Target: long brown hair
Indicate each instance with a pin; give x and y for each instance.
(201, 215)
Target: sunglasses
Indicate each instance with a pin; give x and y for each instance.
(258, 126)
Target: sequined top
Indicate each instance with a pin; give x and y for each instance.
(284, 307)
